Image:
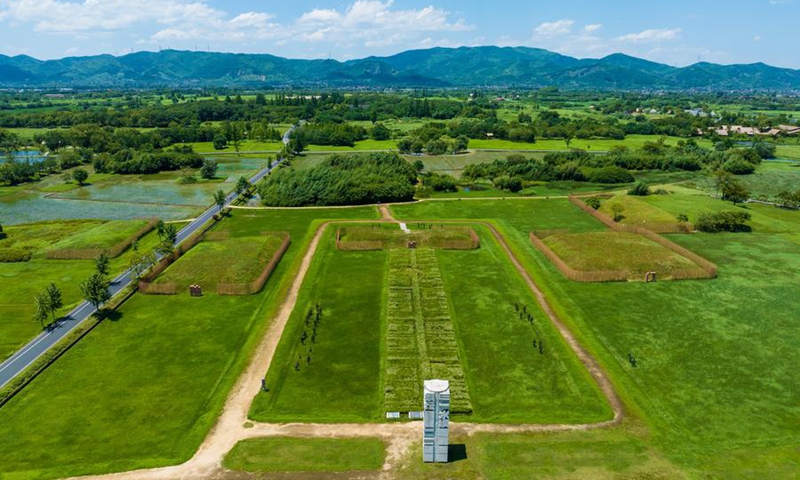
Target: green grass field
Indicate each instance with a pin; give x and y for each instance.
(284, 454)
(390, 235)
(636, 211)
(103, 236)
(231, 260)
(38, 238)
(144, 388)
(715, 387)
(508, 380)
(617, 251)
(342, 382)
(19, 282)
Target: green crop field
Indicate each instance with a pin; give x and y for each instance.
(420, 337)
(714, 390)
(144, 387)
(281, 455)
(617, 251)
(228, 260)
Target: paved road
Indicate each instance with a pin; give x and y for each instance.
(37, 347)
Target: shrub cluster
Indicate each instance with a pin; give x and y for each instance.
(353, 179)
(11, 255)
(728, 221)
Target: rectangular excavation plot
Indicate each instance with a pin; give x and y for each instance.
(420, 339)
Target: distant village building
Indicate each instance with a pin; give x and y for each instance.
(727, 130)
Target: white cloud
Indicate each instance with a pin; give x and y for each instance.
(757, 38)
(651, 35)
(370, 23)
(374, 23)
(593, 27)
(554, 29)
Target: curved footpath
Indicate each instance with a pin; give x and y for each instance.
(230, 427)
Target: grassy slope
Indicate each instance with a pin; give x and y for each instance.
(144, 390)
(617, 251)
(716, 381)
(343, 381)
(306, 455)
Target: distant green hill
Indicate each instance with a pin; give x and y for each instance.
(436, 67)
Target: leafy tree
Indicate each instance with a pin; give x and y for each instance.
(419, 166)
(139, 262)
(102, 263)
(617, 210)
(730, 188)
(785, 199)
(219, 198)
(593, 202)
(380, 132)
(80, 175)
(437, 147)
(723, 222)
(242, 185)
(568, 136)
(461, 144)
(96, 290)
(404, 145)
(511, 184)
(209, 169)
(40, 302)
(640, 189)
(2, 233)
(682, 217)
(54, 299)
(220, 142)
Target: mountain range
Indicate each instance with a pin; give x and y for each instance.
(436, 67)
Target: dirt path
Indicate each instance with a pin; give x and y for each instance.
(230, 427)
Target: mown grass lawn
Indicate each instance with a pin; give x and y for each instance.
(523, 215)
(284, 454)
(343, 381)
(622, 454)
(144, 389)
(716, 382)
(510, 380)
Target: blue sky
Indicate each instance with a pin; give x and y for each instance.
(677, 32)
